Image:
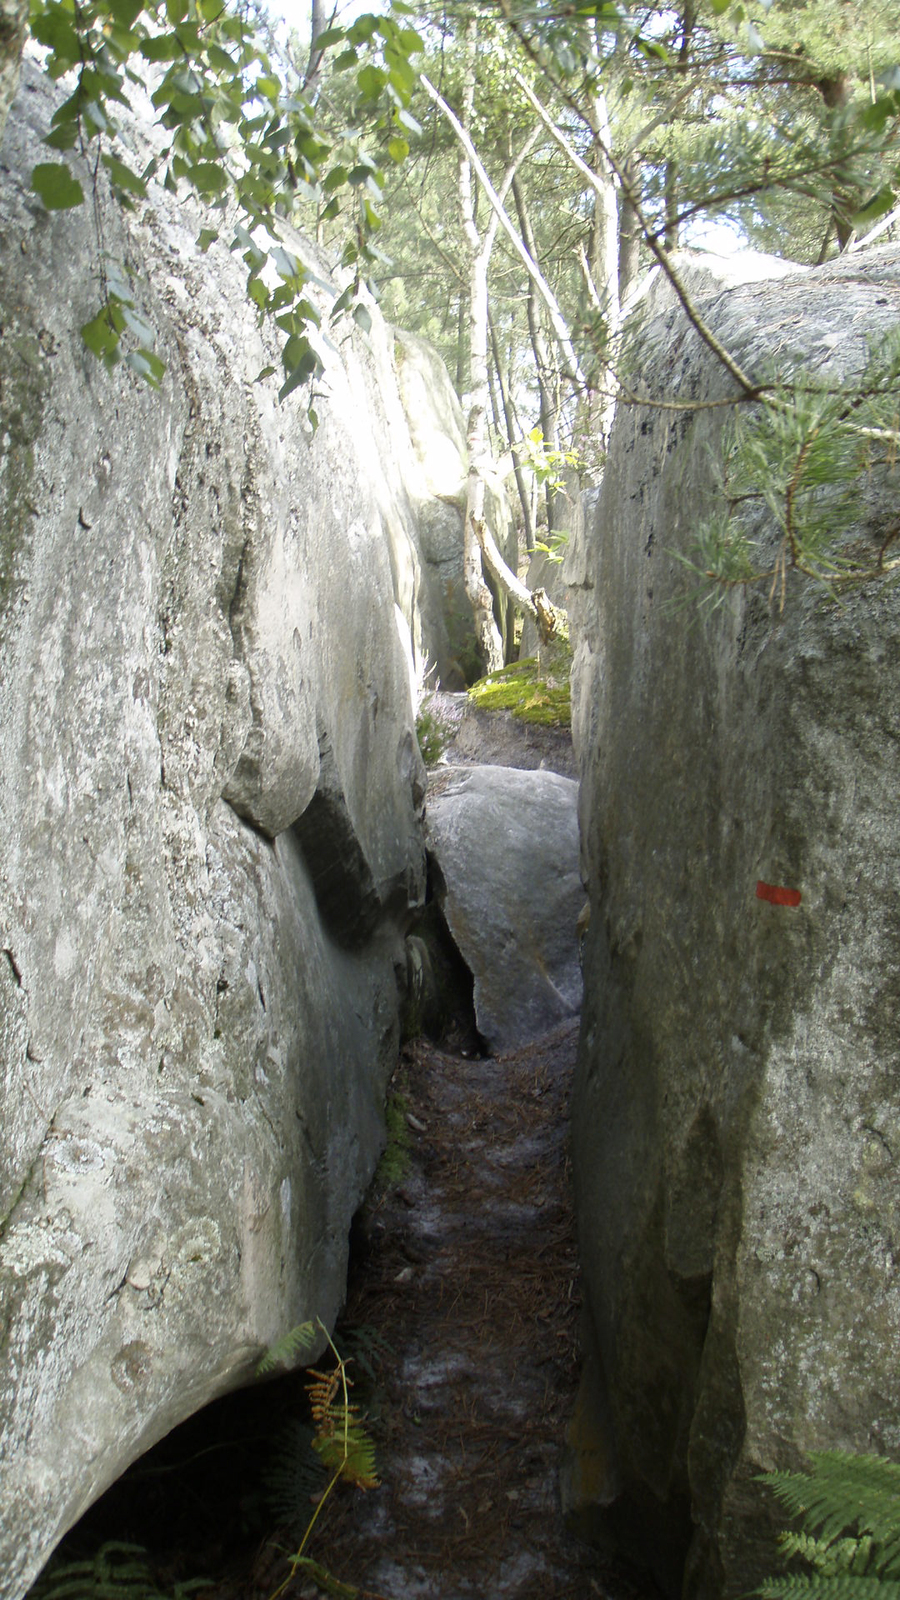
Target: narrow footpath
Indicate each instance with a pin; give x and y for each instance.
(469, 1275)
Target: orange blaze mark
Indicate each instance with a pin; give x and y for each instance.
(776, 895)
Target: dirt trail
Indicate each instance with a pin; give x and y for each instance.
(470, 1274)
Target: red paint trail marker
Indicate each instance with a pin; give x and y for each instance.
(777, 896)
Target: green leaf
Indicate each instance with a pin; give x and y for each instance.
(101, 337)
(56, 186)
(300, 375)
(270, 87)
(138, 325)
(407, 121)
(285, 264)
(265, 372)
(55, 29)
(371, 80)
(164, 47)
(63, 137)
(362, 318)
(176, 10)
(125, 12)
(335, 179)
(123, 177)
(398, 149)
(719, 7)
(206, 237)
(879, 206)
(208, 177)
(329, 37)
(347, 58)
(147, 366)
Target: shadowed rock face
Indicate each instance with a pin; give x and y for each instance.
(736, 1118)
(210, 839)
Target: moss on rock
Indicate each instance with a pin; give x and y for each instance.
(535, 690)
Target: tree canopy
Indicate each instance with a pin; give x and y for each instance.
(500, 172)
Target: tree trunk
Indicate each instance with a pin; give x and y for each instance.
(543, 361)
(317, 25)
(688, 23)
(629, 230)
(461, 346)
(604, 263)
(13, 31)
(835, 92)
(511, 435)
(479, 595)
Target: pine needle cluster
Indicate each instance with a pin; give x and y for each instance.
(819, 462)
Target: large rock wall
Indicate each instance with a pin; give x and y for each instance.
(736, 1114)
(210, 837)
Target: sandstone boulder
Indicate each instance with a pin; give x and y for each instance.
(736, 1120)
(504, 844)
(210, 835)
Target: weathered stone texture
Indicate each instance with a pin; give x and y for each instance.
(736, 1117)
(210, 838)
(505, 845)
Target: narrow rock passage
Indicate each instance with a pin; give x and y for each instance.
(470, 1275)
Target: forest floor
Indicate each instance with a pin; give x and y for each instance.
(468, 1271)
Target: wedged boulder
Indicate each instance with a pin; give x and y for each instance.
(736, 1121)
(210, 838)
(504, 850)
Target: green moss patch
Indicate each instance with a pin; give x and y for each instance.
(535, 690)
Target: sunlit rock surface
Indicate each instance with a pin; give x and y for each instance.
(211, 625)
(736, 1118)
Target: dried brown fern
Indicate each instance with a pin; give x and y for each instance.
(342, 1444)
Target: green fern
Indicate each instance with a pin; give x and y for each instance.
(116, 1571)
(285, 1352)
(294, 1478)
(850, 1508)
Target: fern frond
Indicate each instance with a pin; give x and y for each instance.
(816, 1586)
(288, 1348)
(843, 1491)
(351, 1452)
(325, 1580)
(117, 1571)
(294, 1476)
(340, 1441)
(831, 1556)
(365, 1347)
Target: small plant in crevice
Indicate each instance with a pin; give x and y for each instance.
(433, 734)
(849, 1543)
(394, 1163)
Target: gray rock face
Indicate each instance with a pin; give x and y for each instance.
(210, 840)
(506, 847)
(736, 1119)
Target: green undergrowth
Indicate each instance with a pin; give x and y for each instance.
(117, 1571)
(394, 1163)
(433, 734)
(535, 690)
